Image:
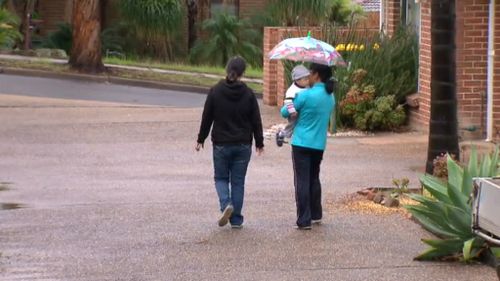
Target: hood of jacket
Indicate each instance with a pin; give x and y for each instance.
(232, 90)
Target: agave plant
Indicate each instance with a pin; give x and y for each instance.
(447, 213)
(9, 33)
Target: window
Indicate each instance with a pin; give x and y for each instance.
(410, 14)
(228, 6)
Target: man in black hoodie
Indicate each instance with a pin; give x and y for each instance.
(233, 110)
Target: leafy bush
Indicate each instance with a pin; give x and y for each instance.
(9, 33)
(363, 110)
(156, 25)
(448, 212)
(153, 16)
(62, 38)
(227, 36)
(344, 12)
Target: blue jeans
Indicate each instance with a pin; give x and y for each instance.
(230, 169)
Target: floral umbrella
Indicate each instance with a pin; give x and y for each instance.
(307, 49)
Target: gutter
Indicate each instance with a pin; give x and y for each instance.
(491, 62)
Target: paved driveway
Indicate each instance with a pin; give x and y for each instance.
(115, 191)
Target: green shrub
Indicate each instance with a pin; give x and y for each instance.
(227, 36)
(155, 24)
(362, 109)
(447, 213)
(344, 12)
(391, 63)
(62, 38)
(9, 33)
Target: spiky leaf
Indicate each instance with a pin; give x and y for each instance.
(494, 163)
(472, 167)
(485, 166)
(435, 187)
(432, 222)
(447, 245)
(460, 220)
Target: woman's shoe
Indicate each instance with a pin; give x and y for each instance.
(308, 227)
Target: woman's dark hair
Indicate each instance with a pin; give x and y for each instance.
(325, 74)
(235, 68)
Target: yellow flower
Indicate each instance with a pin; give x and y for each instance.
(376, 46)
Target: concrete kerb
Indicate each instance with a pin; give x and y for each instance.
(115, 79)
(109, 79)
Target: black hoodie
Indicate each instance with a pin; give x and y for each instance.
(233, 109)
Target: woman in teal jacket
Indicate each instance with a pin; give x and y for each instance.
(314, 105)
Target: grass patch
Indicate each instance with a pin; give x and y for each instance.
(249, 73)
(38, 65)
(174, 78)
(130, 74)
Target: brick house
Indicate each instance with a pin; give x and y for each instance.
(477, 62)
(372, 12)
(53, 12)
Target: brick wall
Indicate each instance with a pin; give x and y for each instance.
(472, 49)
(274, 72)
(269, 90)
(371, 20)
(249, 8)
(391, 15)
(53, 12)
(419, 117)
(471, 58)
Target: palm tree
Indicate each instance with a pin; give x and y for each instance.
(8, 29)
(443, 127)
(86, 53)
(227, 36)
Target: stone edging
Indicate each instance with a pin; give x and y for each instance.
(108, 79)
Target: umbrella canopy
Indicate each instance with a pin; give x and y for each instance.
(307, 49)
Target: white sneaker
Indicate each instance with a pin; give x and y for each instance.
(316, 221)
(237, 226)
(303, 227)
(226, 214)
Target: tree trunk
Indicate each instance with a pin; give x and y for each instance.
(28, 9)
(443, 127)
(86, 55)
(192, 16)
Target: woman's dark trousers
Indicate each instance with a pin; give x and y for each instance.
(306, 166)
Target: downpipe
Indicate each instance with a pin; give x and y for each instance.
(491, 62)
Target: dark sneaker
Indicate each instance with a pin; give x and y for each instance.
(280, 138)
(226, 214)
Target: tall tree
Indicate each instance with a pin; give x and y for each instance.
(86, 55)
(192, 9)
(443, 127)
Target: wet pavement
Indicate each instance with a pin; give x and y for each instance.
(115, 191)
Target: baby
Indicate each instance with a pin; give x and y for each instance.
(300, 77)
